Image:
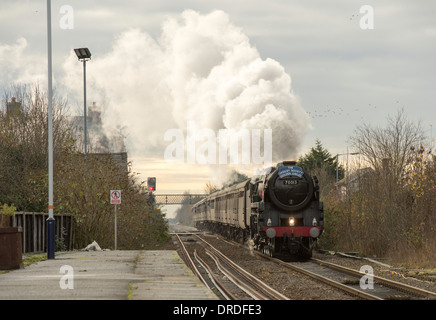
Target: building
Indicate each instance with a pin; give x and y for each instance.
(352, 182)
(13, 107)
(99, 138)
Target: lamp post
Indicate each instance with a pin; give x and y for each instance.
(83, 54)
(337, 162)
(50, 220)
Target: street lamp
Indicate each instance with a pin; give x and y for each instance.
(83, 54)
(337, 162)
(50, 220)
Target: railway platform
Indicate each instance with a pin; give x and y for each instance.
(105, 275)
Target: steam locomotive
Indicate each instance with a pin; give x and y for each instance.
(278, 212)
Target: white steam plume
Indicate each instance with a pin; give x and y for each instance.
(202, 69)
(19, 66)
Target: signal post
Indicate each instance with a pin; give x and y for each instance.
(115, 197)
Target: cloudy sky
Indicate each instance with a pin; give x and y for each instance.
(304, 69)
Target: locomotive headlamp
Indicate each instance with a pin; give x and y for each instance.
(291, 221)
(314, 222)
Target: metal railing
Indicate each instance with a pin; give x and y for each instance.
(34, 236)
(166, 199)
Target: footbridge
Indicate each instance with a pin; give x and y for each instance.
(168, 199)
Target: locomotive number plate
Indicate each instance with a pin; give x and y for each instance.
(290, 182)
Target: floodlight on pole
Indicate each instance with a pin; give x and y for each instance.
(83, 54)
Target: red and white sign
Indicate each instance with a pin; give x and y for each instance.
(115, 196)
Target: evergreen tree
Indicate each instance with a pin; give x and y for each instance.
(319, 157)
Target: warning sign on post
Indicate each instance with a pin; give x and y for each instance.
(115, 196)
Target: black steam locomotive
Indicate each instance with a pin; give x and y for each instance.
(278, 212)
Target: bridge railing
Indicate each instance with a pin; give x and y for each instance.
(168, 199)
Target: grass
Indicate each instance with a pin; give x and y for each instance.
(129, 295)
(29, 259)
(33, 258)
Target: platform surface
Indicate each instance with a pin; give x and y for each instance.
(108, 275)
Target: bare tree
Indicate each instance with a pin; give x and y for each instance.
(210, 188)
(390, 147)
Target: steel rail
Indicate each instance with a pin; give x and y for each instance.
(218, 284)
(328, 281)
(189, 261)
(325, 280)
(246, 275)
(386, 282)
(239, 283)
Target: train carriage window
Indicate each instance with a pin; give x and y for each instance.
(218, 204)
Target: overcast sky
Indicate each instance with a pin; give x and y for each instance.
(152, 63)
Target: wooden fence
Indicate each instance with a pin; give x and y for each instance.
(34, 234)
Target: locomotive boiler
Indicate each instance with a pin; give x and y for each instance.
(278, 212)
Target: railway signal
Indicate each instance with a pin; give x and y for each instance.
(151, 184)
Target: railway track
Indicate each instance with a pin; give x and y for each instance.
(410, 291)
(189, 261)
(342, 278)
(256, 288)
(349, 280)
(251, 285)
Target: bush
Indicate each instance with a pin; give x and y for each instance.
(6, 212)
(81, 185)
(388, 208)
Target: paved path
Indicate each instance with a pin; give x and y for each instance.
(118, 275)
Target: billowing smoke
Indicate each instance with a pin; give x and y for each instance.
(201, 69)
(19, 66)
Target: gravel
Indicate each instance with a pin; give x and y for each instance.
(392, 273)
(292, 284)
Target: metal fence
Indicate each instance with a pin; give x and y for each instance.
(34, 236)
(166, 199)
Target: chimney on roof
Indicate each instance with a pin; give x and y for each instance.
(13, 107)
